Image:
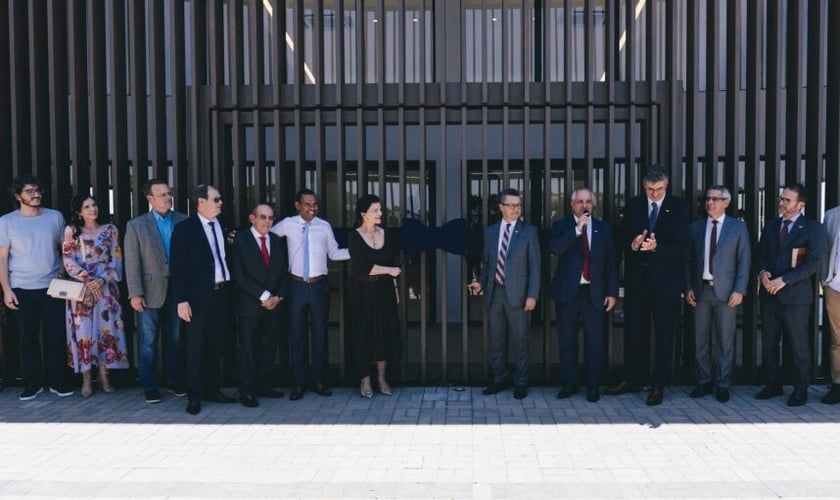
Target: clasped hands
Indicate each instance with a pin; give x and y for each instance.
(95, 286)
(644, 242)
(771, 285)
(271, 302)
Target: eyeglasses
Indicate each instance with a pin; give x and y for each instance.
(32, 191)
(512, 206)
(265, 217)
(715, 198)
(217, 199)
(787, 200)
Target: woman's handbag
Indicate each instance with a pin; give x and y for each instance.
(66, 289)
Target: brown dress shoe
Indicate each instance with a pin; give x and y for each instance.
(655, 396)
(297, 393)
(322, 390)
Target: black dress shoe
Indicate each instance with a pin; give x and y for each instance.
(622, 388)
(218, 396)
(270, 392)
(248, 399)
(722, 394)
(322, 390)
(655, 396)
(297, 393)
(567, 391)
(193, 407)
(520, 392)
(701, 390)
(494, 388)
(593, 394)
(798, 398)
(768, 392)
(833, 396)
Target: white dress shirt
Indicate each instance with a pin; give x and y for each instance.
(578, 233)
(706, 274)
(266, 294)
(222, 271)
(322, 244)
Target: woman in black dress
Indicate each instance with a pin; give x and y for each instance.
(373, 301)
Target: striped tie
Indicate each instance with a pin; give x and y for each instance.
(500, 262)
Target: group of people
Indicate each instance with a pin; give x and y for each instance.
(183, 271)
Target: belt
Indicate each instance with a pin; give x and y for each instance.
(220, 285)
(314, 279)
(709, 282)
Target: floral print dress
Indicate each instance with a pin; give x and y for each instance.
(95, 328)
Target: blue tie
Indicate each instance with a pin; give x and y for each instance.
(306, 251)
(654, 213)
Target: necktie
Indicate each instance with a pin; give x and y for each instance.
(306, 250)
(216, 247)
(585, 241)
(712, 247)
(264, 251)
(654, 213)
(783, 236)
(500, 262)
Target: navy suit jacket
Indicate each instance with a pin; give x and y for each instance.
(664, 267)
(192, 265)
(731, 263)
(568, 247)
(522, 264)
(799, 282)
(251, 274)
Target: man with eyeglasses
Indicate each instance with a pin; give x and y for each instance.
(510, 278)
(30, 240)
(201, 282)
(259, 266)
(147, 252)
(790, 253)
(655, 233)
(717, 276)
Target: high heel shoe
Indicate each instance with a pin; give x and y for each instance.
(384, 388)
(365, 389)
(107, 388)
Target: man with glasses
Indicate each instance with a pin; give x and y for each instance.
(717, 275)
(654, 241)
(30, 240)
(510, 278)
(789, 256)
(259, 267)
(201, 283)
(147, 251)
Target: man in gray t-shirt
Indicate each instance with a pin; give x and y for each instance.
(30, 239)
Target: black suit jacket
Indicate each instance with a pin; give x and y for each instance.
(664, 266)
(805, 234)
(251, 274)
(192, 265)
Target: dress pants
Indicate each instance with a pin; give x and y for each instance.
(832, 306)
(592, 316)
(308, 303)
(711, 312)
(792, 320)
(204, 338)
(501, 318)
(38, 311)
(257, 350)
(639, 303)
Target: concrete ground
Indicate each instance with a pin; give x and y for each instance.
(424, 442)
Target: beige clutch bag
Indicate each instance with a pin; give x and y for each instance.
(66, 289)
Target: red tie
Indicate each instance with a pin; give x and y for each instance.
(264, 251)
(585, 241)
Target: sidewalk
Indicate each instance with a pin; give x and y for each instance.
(432, 442)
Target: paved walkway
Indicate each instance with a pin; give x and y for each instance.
(433, 442)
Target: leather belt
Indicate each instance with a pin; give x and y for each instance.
(314, 279)
(709, 282)
(220, 285)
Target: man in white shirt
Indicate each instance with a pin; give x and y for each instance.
(310, 240)
(831, 289)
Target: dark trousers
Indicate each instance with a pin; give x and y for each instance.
(204, 338)
(257, 350)
(592, 317)
(640, 302)
(792, 321)
(308, 303)
(36, 312)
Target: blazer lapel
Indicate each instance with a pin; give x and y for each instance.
(151, 228)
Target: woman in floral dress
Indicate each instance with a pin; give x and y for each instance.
(95, 329)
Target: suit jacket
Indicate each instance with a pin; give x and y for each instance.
(522, 264)
(146, 265)
(251, 274)
(664, 267)
(832, 228)
(799, 282)
(568, 247)
(193, 266)
(731, 263)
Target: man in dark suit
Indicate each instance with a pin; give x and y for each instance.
(717, 275)
(654, 241)
(585, 288)
(201, 283)
(510, 278)
(147, 249)
(790, 254)
(259, 267)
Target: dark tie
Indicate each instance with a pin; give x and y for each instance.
(500, 262)
(712, 247)
(264, 251)
(216, 247)
(585, 242)
(783, 235)
(654, 213)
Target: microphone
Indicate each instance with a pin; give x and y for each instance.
(583, 228)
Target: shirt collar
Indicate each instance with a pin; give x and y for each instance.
(159, 217)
